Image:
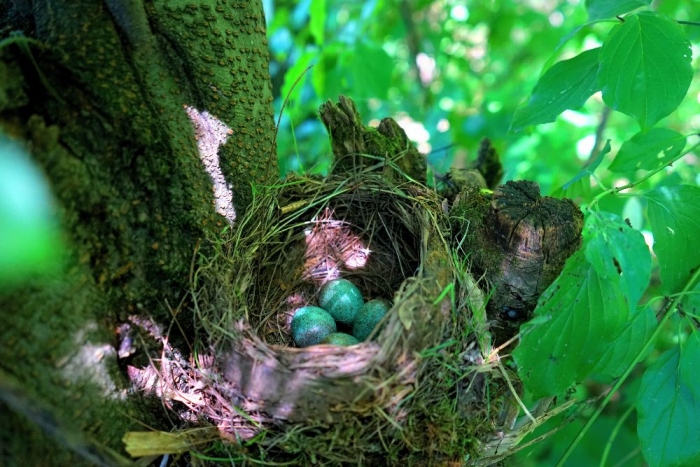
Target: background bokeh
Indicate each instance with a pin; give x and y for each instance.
(450, 72)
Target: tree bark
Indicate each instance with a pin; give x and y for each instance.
(99, 98)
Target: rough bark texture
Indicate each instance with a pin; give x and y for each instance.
(519, 241)
(350, 138)
(99, 100)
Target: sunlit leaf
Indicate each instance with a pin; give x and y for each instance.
(295, 76)
(645, 67)
(674, 215)
(577, 316)
(648, 150)
(619, 255)
(601, 9)
(370, 67)
(667, 409)
(620, 353)
(317, 20)
(566, 85)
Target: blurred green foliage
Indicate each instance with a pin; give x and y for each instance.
(453, 72)
(30, 239)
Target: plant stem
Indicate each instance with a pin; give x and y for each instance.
(616, 190)
(613, 435)
(604, 116)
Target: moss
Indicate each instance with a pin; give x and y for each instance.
(224, 51)
(468, 218)
(65, 362)
(119, 152)
(12, 94)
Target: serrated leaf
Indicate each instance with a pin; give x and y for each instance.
(580, 313)
(645, 67)
(674, 215)
(648, 150)
(618, 254)
(601, 9)
(317, 20)
(620, 353)
(566, 85)
(667, 409)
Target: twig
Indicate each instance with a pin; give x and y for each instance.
(599, 135)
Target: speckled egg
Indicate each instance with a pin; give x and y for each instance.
(310, 325)
(341, 299)
(340, 338)
(367, 318)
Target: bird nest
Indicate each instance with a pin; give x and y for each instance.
(424, 389)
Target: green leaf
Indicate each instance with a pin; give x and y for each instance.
(674, 215)
(620, 353)
(648, 150)
(645, 67)
(317, 21)
(690, 302)
(690, 367)
(295, 76)
(577, 316)
(601, 9)
(566, 85)
(619, 255)
(667, 409)
(370, 68)
(29, 235)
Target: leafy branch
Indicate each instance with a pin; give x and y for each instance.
(616, 190)
(590, 322)
(669, 311)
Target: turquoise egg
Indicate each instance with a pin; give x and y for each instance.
(341, 299)
(310, 325)
(368, 317)
(340, 338)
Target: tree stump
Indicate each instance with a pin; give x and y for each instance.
(519, 241)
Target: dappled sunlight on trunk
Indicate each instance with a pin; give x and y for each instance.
(211, 133)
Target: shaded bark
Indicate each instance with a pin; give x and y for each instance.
(98, 96)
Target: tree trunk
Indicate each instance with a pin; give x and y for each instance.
(99, 97)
